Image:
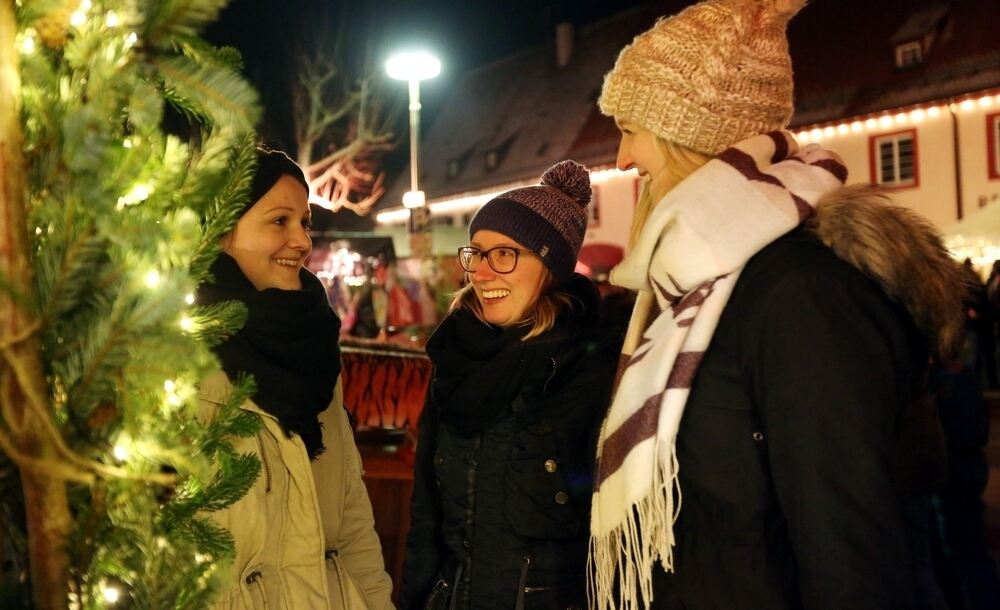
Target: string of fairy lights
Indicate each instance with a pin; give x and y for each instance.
(464, 203)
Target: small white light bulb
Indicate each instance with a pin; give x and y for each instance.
(152, 278)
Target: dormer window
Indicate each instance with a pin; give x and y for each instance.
(909, 54)
(492, 159)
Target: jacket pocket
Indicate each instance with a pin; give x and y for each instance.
(255, 588)
(350, 596)
(538, 503)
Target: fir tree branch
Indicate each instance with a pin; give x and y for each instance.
(50, 468)
(24, 335)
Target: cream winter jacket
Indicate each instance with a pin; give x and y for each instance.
(305, 535)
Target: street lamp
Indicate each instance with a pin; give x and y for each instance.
(414, 67)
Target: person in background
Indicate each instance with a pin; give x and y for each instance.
(979, 322)
(522, 375)
(781, 331)
(304, 533)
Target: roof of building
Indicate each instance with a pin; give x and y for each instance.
(532, 113)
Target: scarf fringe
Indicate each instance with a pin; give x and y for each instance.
(628, 553)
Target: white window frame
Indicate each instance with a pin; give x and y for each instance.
(894, 139)
(993, 124)
(909, 54)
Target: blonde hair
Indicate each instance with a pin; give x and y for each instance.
(542, 314)
(681, 163)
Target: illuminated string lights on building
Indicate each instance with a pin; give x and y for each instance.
(887, 120)
(470, 202)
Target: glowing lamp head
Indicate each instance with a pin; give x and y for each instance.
(414, 65)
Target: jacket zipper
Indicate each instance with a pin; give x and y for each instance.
(263, 463)
(545, 386)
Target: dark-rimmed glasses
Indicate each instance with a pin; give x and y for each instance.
(501, 259)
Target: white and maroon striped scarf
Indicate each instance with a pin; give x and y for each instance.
(688, 257)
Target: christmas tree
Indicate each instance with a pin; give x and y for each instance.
(107, 225)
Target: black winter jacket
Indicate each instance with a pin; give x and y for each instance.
(786, 444)
(506, 511)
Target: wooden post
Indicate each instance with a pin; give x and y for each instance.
(24, 398)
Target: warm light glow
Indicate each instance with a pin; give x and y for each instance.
(131, 39)
(111, 19)
(392, 217)
(603, 175)
(843, 129)
(901, 118)
(917, 115)
(816, 134)
(414, 199)
(77, 19)
(120, 452)
(170, 385)
(933, 112)
(111, 594)
(152, 278)
(189, 299)
(985, 101)
(802, 137)
(885, 121)
(187, 324)
(829, 131)
(857, 126)
(414, 65)
(871, 123)
(138, 194)
(967, 105)
(28, 43)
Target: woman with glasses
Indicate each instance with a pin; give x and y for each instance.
(522, 376)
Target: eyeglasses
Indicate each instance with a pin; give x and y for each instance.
(502, 259)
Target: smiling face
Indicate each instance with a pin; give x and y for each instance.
(506, 298)
(640, 149)
(271, 240)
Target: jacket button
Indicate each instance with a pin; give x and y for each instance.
(551, 466)
(758, 436)
(562, 497)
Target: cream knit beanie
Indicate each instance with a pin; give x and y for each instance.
(714, 74)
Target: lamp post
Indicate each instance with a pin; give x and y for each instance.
(414, 67)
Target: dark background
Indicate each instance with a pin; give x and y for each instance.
(462, 34)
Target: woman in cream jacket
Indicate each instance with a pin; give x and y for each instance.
(304, 532)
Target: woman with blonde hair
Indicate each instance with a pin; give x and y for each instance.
(522, 376)
(781, 333)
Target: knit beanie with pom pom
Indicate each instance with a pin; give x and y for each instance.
(716, 73)
(549, 219)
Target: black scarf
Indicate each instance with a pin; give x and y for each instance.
(479, 369)
(289, 345)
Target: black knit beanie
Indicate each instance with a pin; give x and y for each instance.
(549, 219)
(271, 166)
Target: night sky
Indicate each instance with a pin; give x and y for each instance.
(464, 34)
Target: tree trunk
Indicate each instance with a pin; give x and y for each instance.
(45, 498)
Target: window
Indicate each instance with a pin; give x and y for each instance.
(909, 54)
(894, 159)
(993, 144)
(594, 208)
(492, 159)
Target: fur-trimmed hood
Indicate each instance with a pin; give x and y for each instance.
(901, 251)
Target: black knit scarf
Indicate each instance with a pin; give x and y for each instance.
(480, 368)
(289, 345)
